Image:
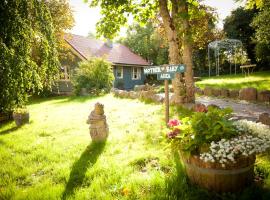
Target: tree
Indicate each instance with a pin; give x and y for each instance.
(175, 17)
(62, 19)
(147, 42)
(150, 41)
(203, 32)
(261, 24)
(250, 4)
(25, 24)
(238, 26)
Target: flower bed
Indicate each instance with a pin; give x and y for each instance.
(227, 151)
(216, 151)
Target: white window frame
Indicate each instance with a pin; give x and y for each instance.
(116, 72)
(66, 73)
(138, 73)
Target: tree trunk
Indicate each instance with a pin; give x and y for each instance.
(174, 52)
(187, 54)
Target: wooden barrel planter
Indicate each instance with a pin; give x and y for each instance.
(212, 176)
(21, 118)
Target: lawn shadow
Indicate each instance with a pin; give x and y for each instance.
(38, 100)
(60, 99)
(87, 159)
(77, 99)
(12, 127)
(7, 131)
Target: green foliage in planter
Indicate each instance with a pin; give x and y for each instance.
(199, 130)
(95, 75)
(22, 110)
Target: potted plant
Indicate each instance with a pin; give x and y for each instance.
(218, 153)
(21, 116)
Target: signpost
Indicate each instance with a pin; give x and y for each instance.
(166, 73)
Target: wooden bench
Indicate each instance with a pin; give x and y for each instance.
(246, 68)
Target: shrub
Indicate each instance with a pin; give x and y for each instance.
(95, 75)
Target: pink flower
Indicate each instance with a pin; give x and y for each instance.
(173, 122)
(173, 133)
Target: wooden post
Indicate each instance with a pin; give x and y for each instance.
(166, 84)
(166, 73)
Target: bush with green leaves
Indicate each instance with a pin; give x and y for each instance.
(95, 75)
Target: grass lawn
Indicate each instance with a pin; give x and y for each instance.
(53, 157)
(259, 80)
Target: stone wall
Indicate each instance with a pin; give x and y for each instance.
(144, 93)
(247, 94)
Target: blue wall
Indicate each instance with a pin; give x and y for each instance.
(126, 82)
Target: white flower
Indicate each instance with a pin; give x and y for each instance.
(256, 139)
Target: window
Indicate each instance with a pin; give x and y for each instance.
(136, 73)
(119, 72)
(65, 73)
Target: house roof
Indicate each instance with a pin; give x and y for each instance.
(117, 53)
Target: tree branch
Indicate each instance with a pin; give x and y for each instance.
(164, 12)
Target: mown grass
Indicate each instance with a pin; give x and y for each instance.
(53, 156)
(259, 80)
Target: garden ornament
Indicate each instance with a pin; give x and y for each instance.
(98, 126)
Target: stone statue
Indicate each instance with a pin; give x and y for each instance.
(98, 126)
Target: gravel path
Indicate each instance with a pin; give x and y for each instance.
(241, 109)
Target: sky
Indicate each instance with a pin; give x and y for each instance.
(86, 18)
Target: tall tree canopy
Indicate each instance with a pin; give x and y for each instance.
(147, 42)
(238, 26)
(150, 41)
(261, 24)
(174, 15)
(62, 19)
(24, 25)
(250, 4)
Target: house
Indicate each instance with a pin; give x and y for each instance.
(127, 66)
